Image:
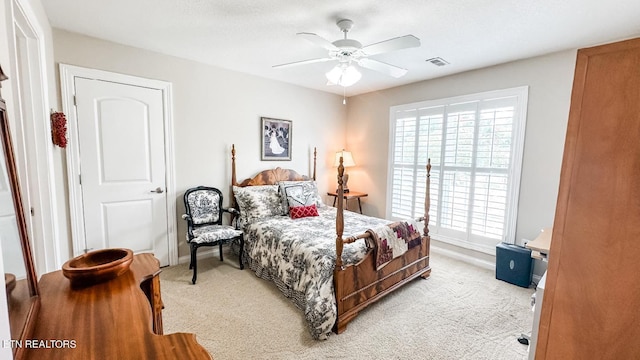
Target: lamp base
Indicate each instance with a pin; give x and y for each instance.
(345, 179)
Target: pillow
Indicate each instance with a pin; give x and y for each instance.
(303, 211)
(299, 193)
(257, 202)
(296, 196)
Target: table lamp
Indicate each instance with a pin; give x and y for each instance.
(347, 161)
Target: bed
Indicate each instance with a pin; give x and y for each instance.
(328, 262)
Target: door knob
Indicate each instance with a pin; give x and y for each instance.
(157, 190)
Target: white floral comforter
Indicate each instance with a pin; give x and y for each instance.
(299, 257)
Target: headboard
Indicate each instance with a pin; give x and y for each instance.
(270, 176)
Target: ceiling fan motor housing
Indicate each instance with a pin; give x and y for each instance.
(348, 44)
(348, 49)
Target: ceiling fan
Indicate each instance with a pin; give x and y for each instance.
(349, 52)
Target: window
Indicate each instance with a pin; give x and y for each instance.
(475, 144)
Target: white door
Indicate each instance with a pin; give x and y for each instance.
(122, 166)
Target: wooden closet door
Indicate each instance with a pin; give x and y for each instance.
(591, 307)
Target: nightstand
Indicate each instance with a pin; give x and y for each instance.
(348, 196)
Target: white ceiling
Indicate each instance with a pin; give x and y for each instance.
(251, 36)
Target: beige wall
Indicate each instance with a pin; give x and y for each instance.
(214, 108)
(549, 79)
(212, 103)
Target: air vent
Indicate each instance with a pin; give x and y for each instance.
(438, 61)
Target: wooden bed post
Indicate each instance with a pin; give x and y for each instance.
(233, 165)
(339, 217)
(315, 156)
(232, 202)
(427, 200)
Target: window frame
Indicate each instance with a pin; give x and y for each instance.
(514, 172)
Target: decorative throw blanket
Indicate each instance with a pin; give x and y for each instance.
(393, 240)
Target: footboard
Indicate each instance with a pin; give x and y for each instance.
(359, 285)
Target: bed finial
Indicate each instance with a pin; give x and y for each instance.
(427, 199)
(315, 156)
(233, 165)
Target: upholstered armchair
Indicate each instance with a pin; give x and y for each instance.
(204, 212)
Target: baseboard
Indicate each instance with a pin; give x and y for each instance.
(202, 253)
(535, 279)
(463, 257)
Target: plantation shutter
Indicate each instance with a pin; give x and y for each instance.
(474, 178)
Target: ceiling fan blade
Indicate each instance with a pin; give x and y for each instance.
(402, 42)
(303, 62)
(384, 68)
(319, 40)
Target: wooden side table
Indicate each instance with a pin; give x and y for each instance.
(348, 196)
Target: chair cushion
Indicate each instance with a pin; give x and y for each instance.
(212, 233)
(204, 206)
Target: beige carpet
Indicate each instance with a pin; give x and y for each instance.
(460, 312)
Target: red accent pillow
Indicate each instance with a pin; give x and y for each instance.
(303, 211)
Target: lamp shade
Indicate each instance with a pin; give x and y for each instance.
(343, 75)
(347, 159)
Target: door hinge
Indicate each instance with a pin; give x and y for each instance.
(32, 211)
(80, 179)
(75, 103)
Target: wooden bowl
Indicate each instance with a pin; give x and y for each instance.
(97, 266)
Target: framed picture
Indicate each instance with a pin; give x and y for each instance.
(276, 139)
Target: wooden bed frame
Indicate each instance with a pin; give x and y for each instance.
(357, 285)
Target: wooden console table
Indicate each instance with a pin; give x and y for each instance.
(111, 320)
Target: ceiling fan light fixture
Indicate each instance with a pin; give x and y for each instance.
(343, 75)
